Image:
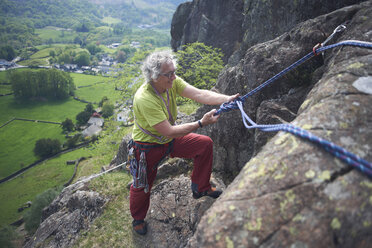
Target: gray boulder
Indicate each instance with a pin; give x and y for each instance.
(70, 213)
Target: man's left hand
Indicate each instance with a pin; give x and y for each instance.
(232, 97)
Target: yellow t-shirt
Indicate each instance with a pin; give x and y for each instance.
(149, 110)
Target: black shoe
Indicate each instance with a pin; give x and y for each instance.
(212, 192)
(139, 226)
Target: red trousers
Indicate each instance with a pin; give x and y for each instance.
(192, 146)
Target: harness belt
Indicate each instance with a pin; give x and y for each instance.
(138, 169)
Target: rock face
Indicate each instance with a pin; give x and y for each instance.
(216, 23)
(72, 211)
(229, 24)
(293, 193)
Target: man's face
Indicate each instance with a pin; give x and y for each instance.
(166, 76)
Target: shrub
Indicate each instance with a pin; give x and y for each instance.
(67, 125)
(33, 216)
(7, 233)
(47, 147)
(107, 109)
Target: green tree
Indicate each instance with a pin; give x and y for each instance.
(93, 49)
(33, 216)
(47, 147)
(71, 142)
(103, 100)
(82, 59)
(89, 108)
(7, 233)
(51, 83)
(199, 64)
(107, 109)
(82, 117)
(67, 125)
(7, 52)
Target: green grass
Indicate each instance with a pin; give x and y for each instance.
(189, 107)
(35, 62)
(17, 141)
(2, 76)
(83, 80)
(56, 34)
(95, 93)
(110, 20)
(25, 187)
(56, 111)
(5, 89)
(113, 228)
(43, 53)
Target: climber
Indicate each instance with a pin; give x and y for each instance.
(155, 136)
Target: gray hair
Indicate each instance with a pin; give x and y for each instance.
(152, 65)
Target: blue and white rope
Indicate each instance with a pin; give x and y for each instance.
(339, 152)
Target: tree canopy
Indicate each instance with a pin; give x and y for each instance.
(48, 83)
(199, 64)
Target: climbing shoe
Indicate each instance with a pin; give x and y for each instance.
(139, 226)
(212, 192)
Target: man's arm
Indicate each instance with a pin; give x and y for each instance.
(166, 129)
(206, 96)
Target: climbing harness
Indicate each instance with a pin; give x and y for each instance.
(138, 169)
(348, 157)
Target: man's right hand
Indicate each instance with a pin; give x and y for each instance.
(210, 118)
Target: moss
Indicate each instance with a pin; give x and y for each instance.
(218, 237)
(370, 200)
(305, 104)
(307, 126)
(293, 231)
(310, 174)
(290, 199)
(344, 125)
(366, 184)
(326, 175)
(298, 218)
(259, 173)
(211, 218)
(282, 172)
(366, 223)
(294, 144)
(281, 139)
(355, 65)
(254, 225)
(229, 243)
(335, 224)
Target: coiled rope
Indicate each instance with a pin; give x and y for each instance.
(339, 152)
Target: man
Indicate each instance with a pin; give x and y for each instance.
(155, 136)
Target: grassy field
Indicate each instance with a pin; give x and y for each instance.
(5, 89)
(18, 140)
(84, 80)
(56, 34)
(100, 87)
(25, 187)
(110, 20)
(56, 111)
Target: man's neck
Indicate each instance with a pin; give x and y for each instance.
(160, 90)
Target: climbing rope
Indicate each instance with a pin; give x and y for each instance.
(339, 152)
(97, 175)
